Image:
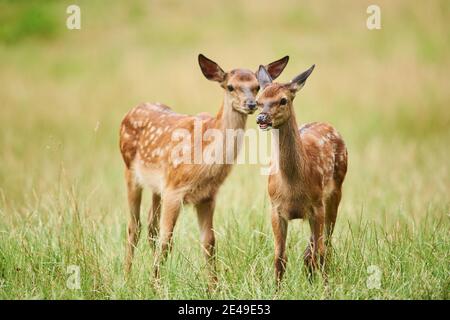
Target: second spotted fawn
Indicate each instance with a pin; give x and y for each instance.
(312, 163)
(147, 144)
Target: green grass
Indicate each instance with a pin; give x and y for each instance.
(412, 258)
(62, 193)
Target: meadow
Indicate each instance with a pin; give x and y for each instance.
(64, 92)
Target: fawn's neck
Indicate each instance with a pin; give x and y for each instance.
(228, 118)
(290, 152)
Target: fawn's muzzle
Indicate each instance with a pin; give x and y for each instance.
(264, 121)
(251, 105)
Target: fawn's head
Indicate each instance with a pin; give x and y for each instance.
(240, 85)
(275, 99)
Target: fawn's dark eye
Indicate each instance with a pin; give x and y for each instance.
(230, 87)
(257, 88)
(283, 101)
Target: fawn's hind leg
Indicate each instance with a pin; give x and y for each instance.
(153, 219)
(134, 224)
(332, 205)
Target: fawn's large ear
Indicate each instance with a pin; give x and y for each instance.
(210, 69)
(263, 76)
(299, 81)
(275, 68)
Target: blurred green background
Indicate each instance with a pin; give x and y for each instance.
(64, 92)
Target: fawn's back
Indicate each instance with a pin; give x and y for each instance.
(325, 154)
(146, 144)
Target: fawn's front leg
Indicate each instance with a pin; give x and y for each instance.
(315, 252)
(279, 227)
(171, 204)
(205, 212)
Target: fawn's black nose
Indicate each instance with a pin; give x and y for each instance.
(251, 105)
(262, 118)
